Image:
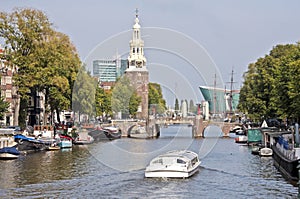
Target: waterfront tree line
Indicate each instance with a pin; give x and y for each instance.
(45, 60)
(271, 86)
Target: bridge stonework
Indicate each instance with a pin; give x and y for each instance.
(200, 125)
(127, 125)
(153, 126)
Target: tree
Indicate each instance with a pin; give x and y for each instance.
(270, 86)
(46, 60)
(103, 102)
(84, 92)
(3, 107)
(155, 97)
(134, 102)
(124, 98)
(176, 105)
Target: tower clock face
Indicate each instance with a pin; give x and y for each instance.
(139, 64)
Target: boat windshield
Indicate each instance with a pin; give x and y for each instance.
(157, 161)
(180, 161)
(194, 161)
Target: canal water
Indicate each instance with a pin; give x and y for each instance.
(116, 170)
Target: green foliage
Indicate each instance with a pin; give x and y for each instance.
(271, 85)
(3, 107)
(134, 103)
(155, 97)
(124, 98)
(176, 105)
(103, 102)
(46, 60)
(84, 93)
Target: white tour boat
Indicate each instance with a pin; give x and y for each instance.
(173, 164)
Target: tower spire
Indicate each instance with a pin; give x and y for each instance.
(136, 13)
(136, 58)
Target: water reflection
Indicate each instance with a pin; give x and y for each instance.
(138, 154)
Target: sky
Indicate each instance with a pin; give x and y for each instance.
(207, 37)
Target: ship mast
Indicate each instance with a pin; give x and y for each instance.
(215, 96)
(231, 89)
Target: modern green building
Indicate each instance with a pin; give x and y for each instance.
(219, 99)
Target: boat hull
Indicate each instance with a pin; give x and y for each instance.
(30, 145)
(169, 174)
(112, 133)
(287, 167)
(8, 153)
(173, 164)
(265, 152)
(100, 135)
(52, 148)
(65, 144)
(255, 149)
(241, 139)
(8, 156)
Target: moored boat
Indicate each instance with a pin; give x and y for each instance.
(233, 131)
(7, 153)
(28, 143)
(286, 157)
(83, 138)
(255, 149)
(265, 152)
(254, 136)
(241, 139)
(173, 164)
(52, 148)
(65, 143)
(98, 135)
(112, 132)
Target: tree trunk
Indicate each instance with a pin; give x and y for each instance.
(57, 115)
(16, 111)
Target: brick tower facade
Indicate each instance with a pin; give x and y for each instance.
(137, 71)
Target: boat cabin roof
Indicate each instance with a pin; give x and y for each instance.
(184, 154)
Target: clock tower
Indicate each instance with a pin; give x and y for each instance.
(137, 71)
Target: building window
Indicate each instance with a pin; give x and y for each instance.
(8, 79)
(8, 94)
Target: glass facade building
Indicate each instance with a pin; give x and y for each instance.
(109, 70)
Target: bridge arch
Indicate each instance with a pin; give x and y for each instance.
(212, 130)
(225, 127)
(130, 129)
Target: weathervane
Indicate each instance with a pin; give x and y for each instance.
(136, 12)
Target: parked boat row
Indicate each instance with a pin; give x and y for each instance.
(282, 146)
(40, 138)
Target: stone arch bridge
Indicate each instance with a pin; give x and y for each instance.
(153, 126)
